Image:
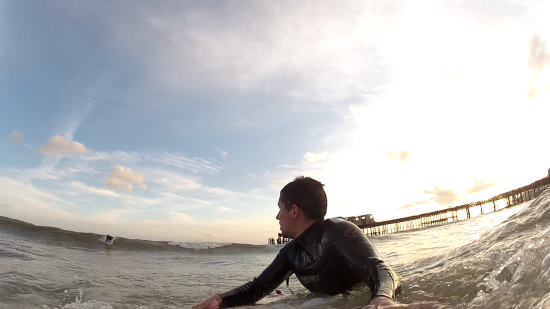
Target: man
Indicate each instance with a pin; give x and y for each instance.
(327, 256)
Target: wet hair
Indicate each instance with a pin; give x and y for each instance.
(308, 194)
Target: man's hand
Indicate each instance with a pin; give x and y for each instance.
(386, 303)
(213, 302)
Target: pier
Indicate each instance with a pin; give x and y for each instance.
(452, 214)
(280, 240)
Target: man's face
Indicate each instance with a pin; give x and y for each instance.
(285, 219)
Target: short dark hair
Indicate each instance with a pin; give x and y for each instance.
(308, 194)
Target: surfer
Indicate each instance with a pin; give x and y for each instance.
(108, 238)
(328, 256)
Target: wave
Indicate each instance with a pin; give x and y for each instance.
(507, 266)
(60, 237)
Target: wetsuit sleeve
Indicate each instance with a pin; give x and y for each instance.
(361, 254)
(265, 283)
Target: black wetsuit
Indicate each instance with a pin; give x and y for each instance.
(330, 257)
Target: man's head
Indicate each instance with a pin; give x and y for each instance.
(301, 202)
(308, 194)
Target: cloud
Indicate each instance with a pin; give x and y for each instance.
(223, 153)
(449, 196)
(403, 155)
(17, 136)
(84, 188)
(458, 77)
(195, 165)
(122, 178)
(480, 185)
(539, 54)
(414, 204)
(220, 192)
(58, 145)
(314, 157)
(443, 196)
(538, 61)
(173, 198)
(128, 200)
(179, 216)
(50, 169)
(223, 209)
(171, 182)
(254, 47)
(397, 156)
(532, 93)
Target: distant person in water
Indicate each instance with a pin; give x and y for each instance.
(328, 256)
(108, 237)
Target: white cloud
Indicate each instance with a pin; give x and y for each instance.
(179, 216)
(314, 157)
(538, 61)
(174, 197)
(220, 192)
(58, 145)
(17, 136)
(170, 181)
(26, 202)
(223, 210)
(480, 185)
(195, 165)
(122, 178)
(414, 204)
(128, 201)
(91, 190)
(539, 54)
(319, 50)
(400, 156)
(444, 197)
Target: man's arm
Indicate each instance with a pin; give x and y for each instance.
(360, 252)
(254, 290)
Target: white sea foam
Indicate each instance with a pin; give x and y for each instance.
(199, 245)
(89, 304)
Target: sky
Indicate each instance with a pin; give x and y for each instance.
(182, 120)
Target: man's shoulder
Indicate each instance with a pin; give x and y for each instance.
(338, 228)
(289, 248)
(339, 222)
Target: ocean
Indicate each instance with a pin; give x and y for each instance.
(498, 260)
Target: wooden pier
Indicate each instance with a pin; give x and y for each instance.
(280, 240)
(452, 214)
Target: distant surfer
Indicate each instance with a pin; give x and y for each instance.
(108, 240)
(328, 256)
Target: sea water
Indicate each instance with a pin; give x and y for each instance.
(499, 260)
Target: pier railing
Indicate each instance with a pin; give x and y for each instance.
(452, 214)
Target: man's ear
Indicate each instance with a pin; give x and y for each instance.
(295, 210)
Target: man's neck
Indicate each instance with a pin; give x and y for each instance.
(304, 225)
